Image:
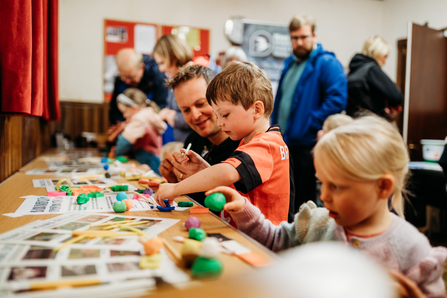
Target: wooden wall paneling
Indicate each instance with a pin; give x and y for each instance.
(22, 138)
(427, 110)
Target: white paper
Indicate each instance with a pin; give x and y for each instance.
(145, 38)
(235, 247)
(63, 204)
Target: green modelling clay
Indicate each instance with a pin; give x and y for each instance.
(69, 192)
(64, 188)
(197, 234)
(119, 207)
(119, 188)
(122, 159)
(95, 194)
(207, 268)
(215, 201)
(82, 199)
(185, 204)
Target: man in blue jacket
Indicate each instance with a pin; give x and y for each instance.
(312, 87)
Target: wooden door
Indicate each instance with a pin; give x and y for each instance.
(425, 107)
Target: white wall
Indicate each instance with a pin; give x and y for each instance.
(397, 14)
(342, 27)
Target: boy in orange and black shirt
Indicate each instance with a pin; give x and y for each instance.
(241, 97)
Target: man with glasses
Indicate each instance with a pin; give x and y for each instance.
(140, 71)
(312, 87)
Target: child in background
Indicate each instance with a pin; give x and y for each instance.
(143, 130)
(359, 165)
(241, 97)
(333, 121)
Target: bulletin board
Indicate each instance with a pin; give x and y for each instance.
(119, 35)
(198, 39)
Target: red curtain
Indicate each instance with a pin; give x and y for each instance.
(29, 58)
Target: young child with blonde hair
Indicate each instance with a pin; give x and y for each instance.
(242, 99)
(360, 165)
(333, 121)
(142, 132)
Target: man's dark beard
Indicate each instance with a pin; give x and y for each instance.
(301, 56)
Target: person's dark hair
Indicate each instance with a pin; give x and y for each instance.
(191, 72)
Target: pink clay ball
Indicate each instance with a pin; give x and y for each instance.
(192, 222)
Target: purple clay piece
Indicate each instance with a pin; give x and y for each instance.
(148, 191)
(192, 222)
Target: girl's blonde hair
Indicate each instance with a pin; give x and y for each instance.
(140, 98)
(365, 150)
(336, 120)
(174, 49)
(375, 47)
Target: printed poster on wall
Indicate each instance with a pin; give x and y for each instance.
(268, 46)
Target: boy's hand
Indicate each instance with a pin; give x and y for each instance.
(235, 202)
(166, 191)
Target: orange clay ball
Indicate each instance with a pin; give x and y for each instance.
(143, 181)
(128, 203)
(152, 246)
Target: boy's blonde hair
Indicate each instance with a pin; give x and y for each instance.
(140, 98)
(365, 150)
(336, 120)
(244, 83)
(375, 47)
(174, 49)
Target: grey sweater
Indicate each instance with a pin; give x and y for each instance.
(401, 247)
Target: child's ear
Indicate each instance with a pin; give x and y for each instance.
(385, 186)
(258, 108)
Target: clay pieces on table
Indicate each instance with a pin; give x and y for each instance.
(190, 252)
(207, 264)
(121, 196)
(82, 199)
(192, 222)
(150, 262)
(167, 208)
(151, 246)
(119, 207)
(197, 234)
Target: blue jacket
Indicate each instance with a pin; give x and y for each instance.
(320, 92)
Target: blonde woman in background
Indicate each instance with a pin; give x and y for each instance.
(369, 88)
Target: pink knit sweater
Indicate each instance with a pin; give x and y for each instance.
(401, 247)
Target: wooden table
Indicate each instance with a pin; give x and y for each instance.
(20, 184)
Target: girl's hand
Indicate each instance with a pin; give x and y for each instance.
(235, 202)
(406, 288)
(166, 191)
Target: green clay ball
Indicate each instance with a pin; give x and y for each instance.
(64, 188)
(122, 159)
(119, 207)
(197, 234)
(207, 268)
(215, 201)
(82, 199)
(185, 204)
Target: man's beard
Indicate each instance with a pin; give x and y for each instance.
(303, 55)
